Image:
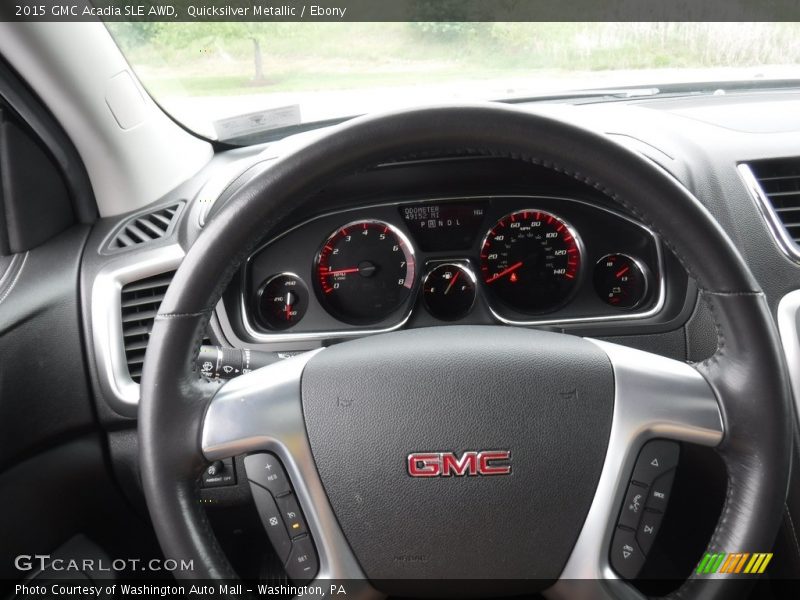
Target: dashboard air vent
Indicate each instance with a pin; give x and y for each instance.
(779, 183)
(140, 302)
(145, 228)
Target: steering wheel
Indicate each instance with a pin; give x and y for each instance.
(571, 413)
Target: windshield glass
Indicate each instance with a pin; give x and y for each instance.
(228, 80)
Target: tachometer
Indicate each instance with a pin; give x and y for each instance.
(530, 260)
(365, 271)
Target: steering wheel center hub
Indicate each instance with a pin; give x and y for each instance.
(461, 452)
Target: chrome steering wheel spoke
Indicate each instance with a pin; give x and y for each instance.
(655, 397)
(261, 411)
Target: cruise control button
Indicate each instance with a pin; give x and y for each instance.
(658, 497)
(292, 516)
(648, 528)
(657, 457)
(633, 506)
(302, 564)
(626, 557)
(271, 519)
(266, 470)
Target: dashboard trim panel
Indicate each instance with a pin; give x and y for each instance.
(118, 388)
(789, 329)
(319, 336)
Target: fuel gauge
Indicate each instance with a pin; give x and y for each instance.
(282, 301)
(620, 280)
(449, 291)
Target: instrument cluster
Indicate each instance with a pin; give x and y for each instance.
(522, 260)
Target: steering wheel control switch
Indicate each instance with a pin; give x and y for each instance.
(219, 473)
(633, 507)
(643, 507)
(216, 362)
(271, 519)
(266, 470)
(281, 516)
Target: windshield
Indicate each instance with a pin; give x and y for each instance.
(229, 80)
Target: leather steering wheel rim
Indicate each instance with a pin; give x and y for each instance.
(747, 372)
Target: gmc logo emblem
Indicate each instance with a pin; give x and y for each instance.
(447, 464)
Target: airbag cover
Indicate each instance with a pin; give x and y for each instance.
(545, 397)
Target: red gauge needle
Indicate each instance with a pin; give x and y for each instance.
(452, 281)
(622, 271)
(342, 271)
(288, 308)
(504, 272)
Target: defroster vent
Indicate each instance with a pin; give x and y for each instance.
(146, 228)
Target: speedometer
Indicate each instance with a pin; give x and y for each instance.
(365, 271)
(530, 260)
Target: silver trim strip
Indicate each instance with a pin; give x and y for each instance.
(262, 411)
(774, 223)
(116, 384)
(314, 336)
(655, 397)
(788, 318)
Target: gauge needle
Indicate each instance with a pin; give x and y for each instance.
(288, 309)
(622, 271)
(342, 271)
(504, 272)
(452, 281)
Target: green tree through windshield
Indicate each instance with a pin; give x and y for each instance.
(279, 64)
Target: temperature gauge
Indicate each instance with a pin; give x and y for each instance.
(620, 280)
(449, 291)
(282, 301)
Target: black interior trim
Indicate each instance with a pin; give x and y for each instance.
(18, 96)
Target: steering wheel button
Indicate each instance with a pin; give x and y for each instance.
(633, 507)
(626, 556)
(657, 457)
(292, 517)
(648, 528)
(271, 519)
(266, 470)
(302, 564)
(219, 473)
(658, 497)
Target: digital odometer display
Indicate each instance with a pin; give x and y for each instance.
(438, 227)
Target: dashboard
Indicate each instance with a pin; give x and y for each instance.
(514, 259)
(455, 238)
